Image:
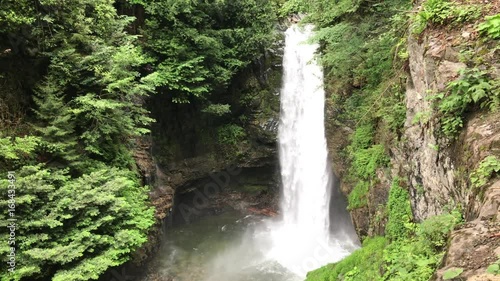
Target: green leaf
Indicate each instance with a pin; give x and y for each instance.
(493, 268)
(452, 273)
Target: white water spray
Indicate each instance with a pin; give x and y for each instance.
(302, 241)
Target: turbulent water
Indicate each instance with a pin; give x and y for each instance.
(314, 229)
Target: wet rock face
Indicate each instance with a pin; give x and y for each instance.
(265, 132)
(247, 190)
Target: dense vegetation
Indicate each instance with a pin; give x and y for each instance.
(75, 81)
(75, 77)
(364, 53)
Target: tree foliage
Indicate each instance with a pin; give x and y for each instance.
(78, 197)
(74, 229)
(14, 14)
(93, 92)
(80, 207)
(199, 46)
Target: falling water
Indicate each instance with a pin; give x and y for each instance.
(303, 240)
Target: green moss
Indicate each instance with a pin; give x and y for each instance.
(252, 188)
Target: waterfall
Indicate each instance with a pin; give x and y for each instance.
(302, 241)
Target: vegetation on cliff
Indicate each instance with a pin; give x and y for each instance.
(366, 60)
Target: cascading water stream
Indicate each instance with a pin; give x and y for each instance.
(302, 240)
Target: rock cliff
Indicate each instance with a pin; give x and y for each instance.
(437, 169)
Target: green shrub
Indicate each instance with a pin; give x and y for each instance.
(230, 134)
(473, 87)
(366, 161)
(363, 264)
(217, 109)
(444, 12)
(361, 138)
(434, 231)
(360, 153)
(421, 117)
(394, 113)
(489, 167)
(409, 259)
(416, 257)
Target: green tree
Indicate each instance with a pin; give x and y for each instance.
(15, 14)
(74, 229)
(80, 207)
(199, 46)
(93, 93)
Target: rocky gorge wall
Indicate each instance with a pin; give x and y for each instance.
(438, 169)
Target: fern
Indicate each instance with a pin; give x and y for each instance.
(491, 27)
(443, 12)
(473, 87)
(487, 168)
